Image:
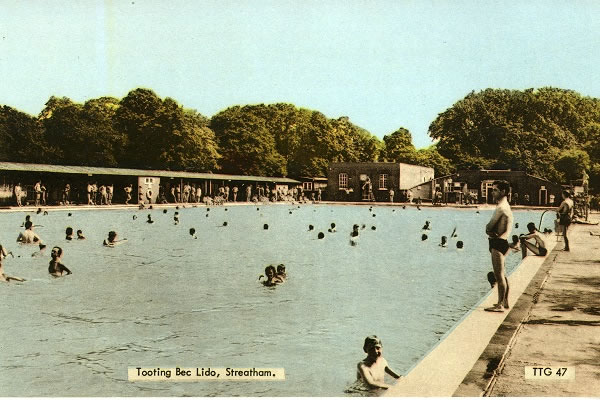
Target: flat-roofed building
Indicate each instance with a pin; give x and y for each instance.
(372, 181)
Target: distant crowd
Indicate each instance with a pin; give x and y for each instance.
(103, 194)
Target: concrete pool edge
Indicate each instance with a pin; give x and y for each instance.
(479, 380)
(444, 369)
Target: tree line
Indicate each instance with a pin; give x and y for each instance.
(142, 130)
(551, 133)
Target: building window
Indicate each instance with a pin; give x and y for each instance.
(343, 180)
(149, 180)
(383, 181)
(307, 185)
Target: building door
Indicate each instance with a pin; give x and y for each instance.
(543, 196)
(486, 191)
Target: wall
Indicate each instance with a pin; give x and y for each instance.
(412, 175)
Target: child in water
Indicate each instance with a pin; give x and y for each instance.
(372, 370)
(112, 239)
(271, 275)
(80, 235)
(281, 274)
(55, 268)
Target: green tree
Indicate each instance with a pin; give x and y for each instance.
(22, 137)
(161, 135)
(573, 163)
(246, 145)
(399, 147)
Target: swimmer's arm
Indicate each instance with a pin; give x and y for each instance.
(392, 373)
(67, 270)
(366, 375)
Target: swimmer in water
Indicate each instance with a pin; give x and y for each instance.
(40, 252)
(69, 233)
(491, 278)
(459, 244)
(176, 218)
(112, 239)
(371, 371)
(423, 237)
(29, 236)
(80, 235)
(56, 268)
(444, 243)
(3, 276)
(193, 233)
(332, 229)
(271, 275)
(515, 243)
(354, 235)
(149, 220)
(426, 226)
(310, 227)
(281, 274)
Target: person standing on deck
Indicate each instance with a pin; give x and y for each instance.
(128, 190)
(565, 214)
(248, 193)
(498, 231)
(37, 188)
(109, 194)
(235, 192)
(198, 194)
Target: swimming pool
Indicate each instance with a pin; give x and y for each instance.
(164, 299)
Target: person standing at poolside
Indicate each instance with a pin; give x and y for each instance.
(109, 194)
(199, 194)
(248, 193)
(90, 192)
(565, 214)
(18, 193)
(128, 190)
(235, 192)
(66, 194)
(498, 230)
(37, 188)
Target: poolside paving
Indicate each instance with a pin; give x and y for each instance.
(555, 324)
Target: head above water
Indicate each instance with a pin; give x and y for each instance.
(281, 269)
(459, 244)
(270, 271)
(112, 235)
(531, 227)
(423, 237)
(372, 342)
(56, 252)
(69, 231)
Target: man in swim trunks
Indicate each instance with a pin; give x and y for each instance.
(565, 214)
(539, 248)
(498, 231)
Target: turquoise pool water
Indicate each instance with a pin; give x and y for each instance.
(164, 299)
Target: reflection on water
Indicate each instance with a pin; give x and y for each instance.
(164, 299)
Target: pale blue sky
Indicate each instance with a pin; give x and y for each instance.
(385, 64)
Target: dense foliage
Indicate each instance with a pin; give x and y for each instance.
(551, 133)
